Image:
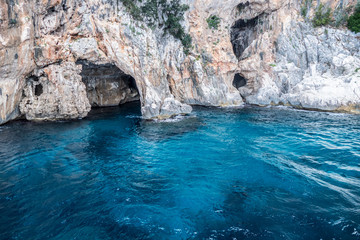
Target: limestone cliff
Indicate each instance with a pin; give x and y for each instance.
(58, 57)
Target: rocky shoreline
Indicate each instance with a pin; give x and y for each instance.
(60, 58)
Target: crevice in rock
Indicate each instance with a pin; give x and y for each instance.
(106, 85)
(12, 15)
(64, 7)
(239, 81)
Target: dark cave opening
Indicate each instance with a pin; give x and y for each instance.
(239, 81)
(243, 33)
(241, 6)
(38, 89)
(106, 85)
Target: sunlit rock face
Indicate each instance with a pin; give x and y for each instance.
(284, 60)
(16, 54)
(55, 92)
(239, 60)
(316, 69)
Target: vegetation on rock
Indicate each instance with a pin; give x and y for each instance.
(322, 16)
(353, 22)
(213, 22)
(167, 15)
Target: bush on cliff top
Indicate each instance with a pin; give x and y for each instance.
(163, 13)
(353, 22)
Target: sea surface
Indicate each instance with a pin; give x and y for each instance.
(250, 173)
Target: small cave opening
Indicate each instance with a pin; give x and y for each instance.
(241, 6)
(243, 33)
(38, 89)
(239, 81)
(107, 85)
(34, 87)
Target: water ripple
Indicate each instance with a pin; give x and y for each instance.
(250, 173)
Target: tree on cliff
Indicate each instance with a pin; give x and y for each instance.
(354, 20)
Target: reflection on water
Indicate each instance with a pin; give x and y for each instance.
(252, 173)
(161, 130)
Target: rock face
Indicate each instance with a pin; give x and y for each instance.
(55, 92)
(317, 69)
(284, 60)
(16, 55)
(249, 56)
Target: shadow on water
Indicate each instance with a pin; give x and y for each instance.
(151, 130)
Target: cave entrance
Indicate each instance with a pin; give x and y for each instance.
(106, 85)
(243, 33)
(239, 81)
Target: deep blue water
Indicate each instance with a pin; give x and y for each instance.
(252, 173)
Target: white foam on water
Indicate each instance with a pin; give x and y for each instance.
(317, 175)
(132, 116)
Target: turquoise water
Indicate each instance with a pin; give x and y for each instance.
(253, 173)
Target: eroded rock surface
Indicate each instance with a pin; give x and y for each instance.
(284, 60)
(321, 71)
(55, 92)
(16, 55)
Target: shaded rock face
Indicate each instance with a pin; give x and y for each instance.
(106, 85)
(244, 32)
(55, 92)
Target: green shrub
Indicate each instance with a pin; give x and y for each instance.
(353, 22)
(187, 43)
(240, 7)
(322, 16)
(303, 11)
(213, 22)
